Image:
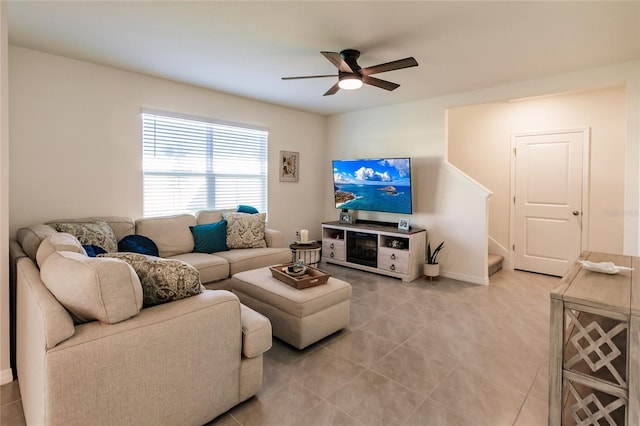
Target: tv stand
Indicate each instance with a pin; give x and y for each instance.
(375, 222)
(373, 246)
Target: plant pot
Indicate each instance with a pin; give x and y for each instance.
(431, 271)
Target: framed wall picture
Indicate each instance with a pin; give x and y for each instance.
(346, 217)
(289, 166)
(403, 224)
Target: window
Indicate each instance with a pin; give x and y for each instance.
(191, 164)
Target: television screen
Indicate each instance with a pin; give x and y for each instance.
(382, 185)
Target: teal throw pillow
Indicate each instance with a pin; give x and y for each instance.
(247, 209)
(210, 237)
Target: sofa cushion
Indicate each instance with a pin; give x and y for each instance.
(93, 288)
(31, 237)
(245, 230)
(246, 259)
(138, 244)
(95, 233)
(162, 280)
(210, 237)
(170, 233)
(59, 241)
(210, 216)
(121, 225)
(210, 266)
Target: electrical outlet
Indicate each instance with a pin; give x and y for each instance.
(298, 234)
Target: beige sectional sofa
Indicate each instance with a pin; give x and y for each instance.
(183, 362)
(175, 241)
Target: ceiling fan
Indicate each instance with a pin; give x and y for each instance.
(352, 76)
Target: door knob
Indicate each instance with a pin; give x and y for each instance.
(576, 213)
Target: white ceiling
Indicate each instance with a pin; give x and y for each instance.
(244, 48)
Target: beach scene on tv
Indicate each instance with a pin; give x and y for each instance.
(382, 185)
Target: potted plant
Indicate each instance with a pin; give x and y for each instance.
(432, 268)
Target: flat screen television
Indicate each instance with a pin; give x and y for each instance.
(380, 185)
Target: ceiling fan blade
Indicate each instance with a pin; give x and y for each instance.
(337, 60)
(390, 66)
(383, 84)
(309, 76)
(333, 90)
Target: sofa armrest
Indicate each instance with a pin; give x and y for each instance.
(273, 238)
(38, 312)
(256, 332)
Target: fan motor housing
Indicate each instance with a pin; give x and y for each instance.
(351, 56)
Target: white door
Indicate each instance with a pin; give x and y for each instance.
(548, 197)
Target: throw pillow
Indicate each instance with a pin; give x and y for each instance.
(210, 237)
(245, 230)
(138, 244)
(94, 233)
(163, 280)
(92, 288)
(93, 251)
(247, 209)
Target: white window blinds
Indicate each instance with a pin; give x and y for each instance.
(191, 164)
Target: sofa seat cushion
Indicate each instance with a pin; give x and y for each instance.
(211, 266)
(170, 233)
(245, 259)
(95, 233)
(256, 332)
(93, 288)
(162, 280)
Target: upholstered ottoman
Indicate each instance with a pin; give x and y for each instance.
(299, 317)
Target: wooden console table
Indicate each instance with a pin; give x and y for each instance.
(594, 374)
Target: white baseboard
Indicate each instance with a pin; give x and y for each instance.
(6, 376)
(467, 278)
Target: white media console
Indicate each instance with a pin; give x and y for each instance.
(375, 247)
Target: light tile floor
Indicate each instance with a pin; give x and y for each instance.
(420, 353)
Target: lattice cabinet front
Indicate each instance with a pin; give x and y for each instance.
(594, 346)
(595, 361)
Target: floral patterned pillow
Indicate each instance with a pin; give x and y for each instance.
(163, 280)
(245, 230)
(91, 234)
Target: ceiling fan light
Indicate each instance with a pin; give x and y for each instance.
(350, 82)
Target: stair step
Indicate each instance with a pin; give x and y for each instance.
(495, 263)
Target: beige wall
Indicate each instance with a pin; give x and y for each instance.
(5, 367)
(419, 129)
(446, 203)
(479, 143)
(76, 141)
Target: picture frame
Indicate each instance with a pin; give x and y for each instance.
(346, 217)
(403, 224)
(289, 166)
